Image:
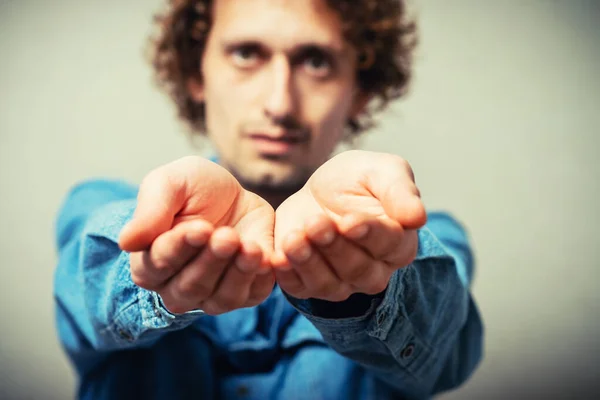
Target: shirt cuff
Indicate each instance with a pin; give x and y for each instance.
(345, 326)
(147, 318)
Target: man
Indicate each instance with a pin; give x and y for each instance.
(275, 272)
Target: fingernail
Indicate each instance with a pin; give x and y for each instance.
(358, 232)
(302, 254)
(224, 250)
(325, 238)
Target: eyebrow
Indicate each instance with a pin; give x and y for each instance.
(302, 48)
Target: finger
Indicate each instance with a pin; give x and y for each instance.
(314, 272)
(286, 276)
(406, 252)
(382, 238)
(249, 258)
(234, 289)
(169, 253)
(199, 278)
(290, 282)
(261, 288)
(159, 199)
(349, 261)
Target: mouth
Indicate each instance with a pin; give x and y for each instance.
(276, 145)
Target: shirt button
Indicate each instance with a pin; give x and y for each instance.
(408, 351)
(125, 335)
(381, 317)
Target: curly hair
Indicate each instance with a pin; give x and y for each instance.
(379, 30)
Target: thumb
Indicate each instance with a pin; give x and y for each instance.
(404, 206)
(159, 199)
(400, 199)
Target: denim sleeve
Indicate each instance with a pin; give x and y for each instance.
(98, 307)
(425, 334)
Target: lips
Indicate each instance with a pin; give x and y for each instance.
(275, 145)
(286, 138)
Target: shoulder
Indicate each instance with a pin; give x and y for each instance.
(115, 188)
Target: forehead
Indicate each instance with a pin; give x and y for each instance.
(280, 23)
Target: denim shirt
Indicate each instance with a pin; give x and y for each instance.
(423, 336)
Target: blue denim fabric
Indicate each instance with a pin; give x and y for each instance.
(423, 336)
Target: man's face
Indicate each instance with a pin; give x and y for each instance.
(279, 83)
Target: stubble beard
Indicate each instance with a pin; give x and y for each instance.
(281, 184)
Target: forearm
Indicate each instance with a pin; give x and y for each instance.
(99, 308)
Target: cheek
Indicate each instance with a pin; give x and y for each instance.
(222, 114)
(329, 103)
(216, 100)
(331, 112)
(232, 100)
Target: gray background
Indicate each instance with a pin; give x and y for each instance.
(501, 128)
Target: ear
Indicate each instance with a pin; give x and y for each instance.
(360, 102)
(195, 89)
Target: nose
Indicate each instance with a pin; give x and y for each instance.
(281, 102)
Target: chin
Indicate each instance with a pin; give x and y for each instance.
(270, 175)
(277, 179)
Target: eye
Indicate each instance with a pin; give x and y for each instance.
(245, 56)
(318, 64)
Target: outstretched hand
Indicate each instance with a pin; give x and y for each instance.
(199, 239)
(349, 228)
